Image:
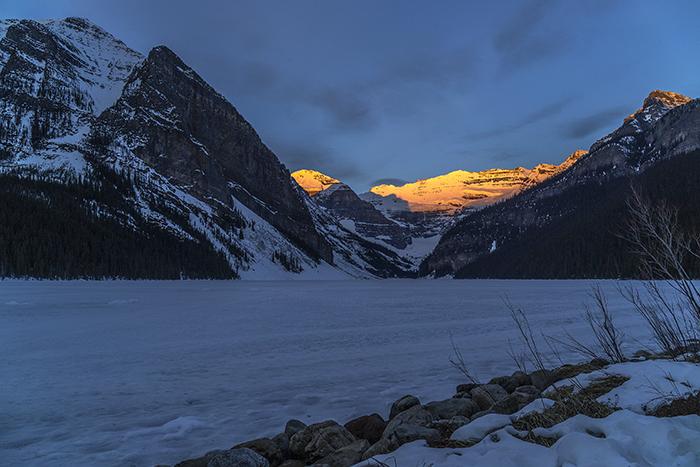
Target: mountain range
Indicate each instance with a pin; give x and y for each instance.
(117, 164)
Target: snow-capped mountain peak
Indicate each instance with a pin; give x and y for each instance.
(314, 182)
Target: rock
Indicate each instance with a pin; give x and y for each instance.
(407, 426)
(293, 427)
(267, 448)
(409, 433)
(516, 380)
(369, 427)
(466, 387)
(403, 404)
(238, 458)
(200, 461)
(509, 383)
(416, 415)
(319, 440)
(541, 379)
(448, 426)
(487, 395)
(292, 463)
(508, 405)
(462, 395)
(282, 441)
(346, 456)
(526, 394)
(451, 408)
(402, 434)
(500, 380)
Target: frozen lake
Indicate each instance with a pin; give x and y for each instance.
(140, 373)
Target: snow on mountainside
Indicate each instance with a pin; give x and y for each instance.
(144, 143)
(314, 182)
(552, 230)
(461, 189)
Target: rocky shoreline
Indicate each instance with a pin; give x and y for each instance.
(329, 443)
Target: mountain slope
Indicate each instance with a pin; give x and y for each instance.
(355, 214)
(455, 191)
(85, 114)
(532, 234)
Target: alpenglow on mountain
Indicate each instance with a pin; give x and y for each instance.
(573, 225)
(118, 164)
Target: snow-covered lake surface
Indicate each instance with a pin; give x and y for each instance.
(140, 373)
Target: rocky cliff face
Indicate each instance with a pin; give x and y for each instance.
(459, 190)
(665, 126)
(355, 214)
(171, 119)
(148, 147)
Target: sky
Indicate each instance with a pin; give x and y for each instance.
(372, 90)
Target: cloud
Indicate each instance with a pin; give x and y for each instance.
(531, 118)
(524, 39)
(585, 126)
(345, 108)
(296, 156)
(521, 25)
(389, 181)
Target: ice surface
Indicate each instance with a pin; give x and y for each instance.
(140, 373)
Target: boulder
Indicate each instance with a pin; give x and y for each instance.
(345, 456)
(242, 457)
(293, 427)
(282, 441)
(502, 381)
(449, 426)
(407, 426)
(541, 379)
(467, 387)
(416, 415)
(369, 427)
(526, 394)
(292, 463)
(199, 461)
(516, 380)
(508, 405)
(267, 448)
(402, 434)
(319, 440)
(487, 395)
(403, 404)
(451, 408)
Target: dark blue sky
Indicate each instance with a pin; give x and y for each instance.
(366, 90)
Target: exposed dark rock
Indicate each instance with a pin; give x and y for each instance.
(319, 440)
(487, 395)
(267, 448)
(238, 458)
(345, 456)
(369, 427)
(451, 408)
(405, 403)
(294, 426)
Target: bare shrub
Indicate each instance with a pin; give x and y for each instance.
(664, 250)
(608, 338)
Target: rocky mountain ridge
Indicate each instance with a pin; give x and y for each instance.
(559, 210)
(84, 112)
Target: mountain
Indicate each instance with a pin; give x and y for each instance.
(355, 214)
(570, 225)
(121, 165)
(459, 190)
